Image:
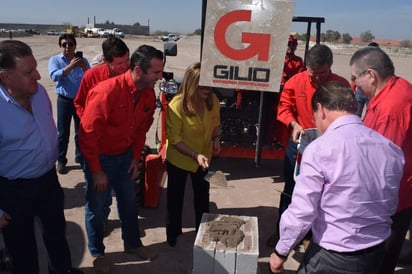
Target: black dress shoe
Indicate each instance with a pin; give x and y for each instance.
(171, 242)
(62, 169)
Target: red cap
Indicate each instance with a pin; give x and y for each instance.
(292, 40)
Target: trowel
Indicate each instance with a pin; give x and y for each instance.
(216, 178)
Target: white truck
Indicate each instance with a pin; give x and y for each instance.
(104, 33)
(116, 33)
(170, 37)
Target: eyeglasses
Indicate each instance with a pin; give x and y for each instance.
(65, 44)
(354, 78)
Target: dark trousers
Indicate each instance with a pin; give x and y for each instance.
(175, 196)
(393, 245)
(65, 112)
(288, 171)
(321, 261)
(24, 200)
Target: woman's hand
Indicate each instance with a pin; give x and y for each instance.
(202, 161)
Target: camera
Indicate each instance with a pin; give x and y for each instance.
(78, 54)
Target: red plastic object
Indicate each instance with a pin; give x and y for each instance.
(155, 175)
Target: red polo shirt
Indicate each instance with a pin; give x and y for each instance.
(293, 64)
(91, 77)
(295, 99)
(390, 114)
(111, 123)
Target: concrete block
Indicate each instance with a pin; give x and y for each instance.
(215, 257)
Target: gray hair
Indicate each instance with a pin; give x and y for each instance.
(372, 58)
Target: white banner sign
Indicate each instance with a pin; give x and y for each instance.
(245, 43)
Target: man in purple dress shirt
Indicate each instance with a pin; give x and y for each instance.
(346, 192)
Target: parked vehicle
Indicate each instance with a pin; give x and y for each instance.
(104, 33)
(75, 30)
(53, 32)
(170, 37)
(32, 31)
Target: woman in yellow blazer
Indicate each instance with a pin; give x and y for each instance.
(192, 130)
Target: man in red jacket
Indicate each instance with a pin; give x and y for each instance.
(295, 111)
(113, 127)
(116, 60)
(293, 64)
(389, 112)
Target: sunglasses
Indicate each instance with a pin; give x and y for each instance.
(65, 44)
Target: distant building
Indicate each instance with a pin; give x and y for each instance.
(43, 28)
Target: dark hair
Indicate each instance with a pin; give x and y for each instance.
(335, 96)
(67, 36)
(142, 56)
(372, 58)
(373, 44)
(318, 56)
(114, 47)
(10, 50)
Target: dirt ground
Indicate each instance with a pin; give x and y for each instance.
(251, 190)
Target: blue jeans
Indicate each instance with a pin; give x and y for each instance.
(288, 169)
(116, 168)
(65, 112)
(25, 200)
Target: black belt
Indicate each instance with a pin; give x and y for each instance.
(25, 180)
(65, 98)
(362, 251)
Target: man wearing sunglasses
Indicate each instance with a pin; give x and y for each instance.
(67, 70)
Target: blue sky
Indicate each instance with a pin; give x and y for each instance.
(386, 19)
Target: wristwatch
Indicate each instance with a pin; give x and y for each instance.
(280, 255)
